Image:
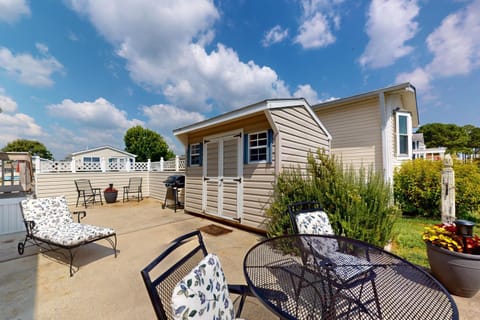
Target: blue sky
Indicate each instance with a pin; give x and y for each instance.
(79, 73)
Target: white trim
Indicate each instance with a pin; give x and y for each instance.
(387, 151)
(266, 146)
(103, 148)
(408, 155)
(190, 154)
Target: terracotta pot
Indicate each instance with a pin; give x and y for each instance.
(458, 272)
(110, 196)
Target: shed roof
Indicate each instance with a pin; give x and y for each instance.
(247, 111)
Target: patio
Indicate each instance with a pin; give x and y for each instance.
(35, 286)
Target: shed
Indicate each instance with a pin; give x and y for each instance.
(233, 159)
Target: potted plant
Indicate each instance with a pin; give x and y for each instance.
(110, 194)
(454, 257)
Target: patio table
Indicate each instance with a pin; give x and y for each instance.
(333, 277)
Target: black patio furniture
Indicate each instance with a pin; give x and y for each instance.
(134, 187)
(173, 184)
(405, 291)
(310, 218)
(188, 250)
(87, 193)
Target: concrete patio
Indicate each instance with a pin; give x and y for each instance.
(36, 286)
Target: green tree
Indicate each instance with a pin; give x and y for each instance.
(146, 144)
(473, 138)
(34, 147)
(454, 137)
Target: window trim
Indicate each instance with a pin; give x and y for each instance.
(191, 154)
(408, 134)
(258, 147)
(90, 159)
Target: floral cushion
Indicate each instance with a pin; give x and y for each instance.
(51, 211)
(203, 293)
(315, 222)
(54, 223)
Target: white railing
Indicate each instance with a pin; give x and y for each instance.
(76, 165)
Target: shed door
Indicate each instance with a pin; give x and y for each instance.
(223, 170)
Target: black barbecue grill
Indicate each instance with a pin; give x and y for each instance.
(173, 184)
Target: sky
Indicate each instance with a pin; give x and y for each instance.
(77, 74)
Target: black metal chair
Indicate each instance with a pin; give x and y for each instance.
(160, 287)
(86, 192)
(325, 255)
(134, 187)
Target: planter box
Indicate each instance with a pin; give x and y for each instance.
(458, 272)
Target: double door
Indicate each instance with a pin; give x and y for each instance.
(222, 176)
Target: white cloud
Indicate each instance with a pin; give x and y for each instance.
(315, 32)
(36, 72)
(275, 35)
(165, 118)
(306, 91)
(455, 44)
(7, 104)
(99, 114)
(12, 10)
(390, 25)
(18, 125)
(418, 77)
(176, 63)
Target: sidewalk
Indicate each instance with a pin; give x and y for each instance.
(35, 286)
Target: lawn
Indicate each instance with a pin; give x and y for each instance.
(407, 241)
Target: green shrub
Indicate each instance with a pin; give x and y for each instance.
(417, 188)
(359, 203)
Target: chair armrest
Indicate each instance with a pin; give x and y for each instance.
(125, 188)
(95, 190)
(82, 213)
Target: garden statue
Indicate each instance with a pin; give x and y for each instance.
(448, 191)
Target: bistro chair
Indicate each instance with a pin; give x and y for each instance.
(325, 254)
(134, 187)
(178, 278)
(86, 192)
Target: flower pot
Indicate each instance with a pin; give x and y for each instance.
(458, 272)
(110, 196)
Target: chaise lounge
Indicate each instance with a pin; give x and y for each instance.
(49, 225)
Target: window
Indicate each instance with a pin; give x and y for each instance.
(91, 159)
(195, 154)
(404, 135)
(257, 147)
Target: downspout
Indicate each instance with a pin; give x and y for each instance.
(386, 136)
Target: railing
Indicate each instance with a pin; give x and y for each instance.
(77, 165)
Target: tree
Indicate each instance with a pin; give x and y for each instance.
(34, 147)
(451, 136)
(473, 138)
(146, 144)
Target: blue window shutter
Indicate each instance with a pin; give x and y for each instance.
(188, 155)
(269, 145)
(201, 154)
(245, 148)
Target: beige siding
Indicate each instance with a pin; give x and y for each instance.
(299, 135)
(356, 132)
(257, 182)
(105, 153)
(55, 184)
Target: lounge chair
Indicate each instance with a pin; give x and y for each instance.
(86, 192)
(50, 225)
(134, 187)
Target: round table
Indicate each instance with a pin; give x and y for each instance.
(333, 277)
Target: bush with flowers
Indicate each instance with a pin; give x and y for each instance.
(445, 236)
